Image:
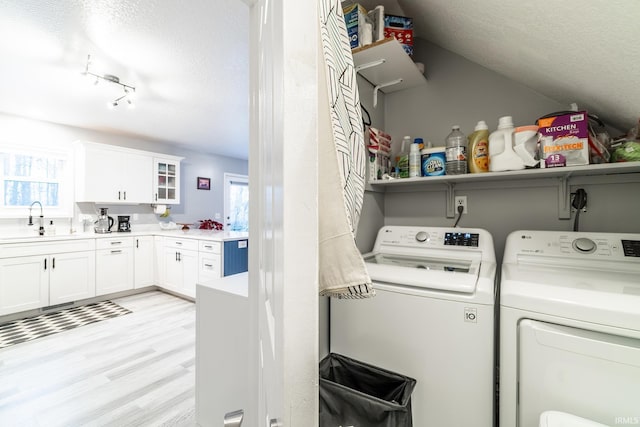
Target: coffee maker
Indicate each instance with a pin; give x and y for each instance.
(123, 223)
(104, 222)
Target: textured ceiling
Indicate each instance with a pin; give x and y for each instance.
(586, 52)
(189, 62)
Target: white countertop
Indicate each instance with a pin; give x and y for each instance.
(213, 235)
(236, 284)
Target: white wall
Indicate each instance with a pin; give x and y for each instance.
(195, 204)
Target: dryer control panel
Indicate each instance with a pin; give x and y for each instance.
(566, 245)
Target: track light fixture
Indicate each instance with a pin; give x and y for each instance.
(129, 91)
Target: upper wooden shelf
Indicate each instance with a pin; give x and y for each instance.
(397, 65)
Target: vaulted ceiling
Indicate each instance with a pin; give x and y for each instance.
(189, 60)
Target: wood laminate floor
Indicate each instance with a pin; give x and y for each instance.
(133, 370)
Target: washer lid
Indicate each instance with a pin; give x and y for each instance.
(437, 272)
(562, 419)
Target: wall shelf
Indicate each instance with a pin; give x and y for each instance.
(562, 175)
(387, 67)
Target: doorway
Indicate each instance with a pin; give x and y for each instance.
(236, 202)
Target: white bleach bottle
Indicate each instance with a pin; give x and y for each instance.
(501, 154)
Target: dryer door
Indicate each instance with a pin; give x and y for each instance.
(585, 373)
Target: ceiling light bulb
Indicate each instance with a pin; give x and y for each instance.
(130, 104)
(112, 105)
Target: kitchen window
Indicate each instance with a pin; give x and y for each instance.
(30, 175)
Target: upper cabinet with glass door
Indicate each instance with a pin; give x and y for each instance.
(166, 185)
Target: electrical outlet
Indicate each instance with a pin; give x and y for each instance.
(461, 201)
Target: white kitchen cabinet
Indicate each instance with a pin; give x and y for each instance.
(35, 275)
(209, 261)
(180, 259)
(166, 180)
(110, 174)
(144, 262)
(72, 277)
(24, 284)
(114, 265)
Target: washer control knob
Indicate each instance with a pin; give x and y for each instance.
(422, 236)
(584, 245)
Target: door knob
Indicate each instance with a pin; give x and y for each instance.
(233, 419)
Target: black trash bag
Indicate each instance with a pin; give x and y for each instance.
(353, 393)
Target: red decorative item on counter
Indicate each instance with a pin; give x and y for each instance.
(209, 224)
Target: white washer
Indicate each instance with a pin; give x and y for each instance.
(432, 319)
(570, 327)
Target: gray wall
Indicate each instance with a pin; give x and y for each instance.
(461, 92)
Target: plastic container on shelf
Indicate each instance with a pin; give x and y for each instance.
(501, 154)
(433, 161)
(456, 152)
(402, 159)
(478, 160)
(415, 161)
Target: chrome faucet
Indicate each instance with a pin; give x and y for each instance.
(41, 229)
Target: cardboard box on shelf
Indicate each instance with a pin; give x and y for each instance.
(356, 19)
(564, 140)
(400, 27)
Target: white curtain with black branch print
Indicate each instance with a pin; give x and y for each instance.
(342, 165)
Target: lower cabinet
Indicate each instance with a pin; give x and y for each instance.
(44, 274)
(143, 262)
(114, 265)
(180, 262)
(72, 277)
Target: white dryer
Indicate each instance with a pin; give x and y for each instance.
(432, 319)
(570, 327)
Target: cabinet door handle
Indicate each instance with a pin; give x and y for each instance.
(53, 263)
(137, 244)
(179, 256)
(179, 243)
(208, 247)
(118, 195)
(156, 197)
(125, 195)
(208, 265)
(176, 256)
(116, 243)
(116, 251)
(45, 263)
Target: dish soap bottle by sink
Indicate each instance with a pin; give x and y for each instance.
(479, 148)
(50, 230)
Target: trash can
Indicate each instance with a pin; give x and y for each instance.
(354, 393)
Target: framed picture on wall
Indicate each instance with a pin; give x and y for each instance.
(204, 183)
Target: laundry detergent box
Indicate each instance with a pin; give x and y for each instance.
(564, 140)
(400, 27)
(355, 17)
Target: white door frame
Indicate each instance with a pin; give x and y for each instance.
(283, 213)
(228, 179)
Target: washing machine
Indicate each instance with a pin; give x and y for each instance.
(570, 327)
(432, 319)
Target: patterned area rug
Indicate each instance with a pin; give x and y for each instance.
(42, 325)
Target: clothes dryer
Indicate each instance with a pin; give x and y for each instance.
(570, 327)
(432, 319)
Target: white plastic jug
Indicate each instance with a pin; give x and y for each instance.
(501, 154)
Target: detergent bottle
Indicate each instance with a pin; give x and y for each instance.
(501, 154)
(402, 160)
(478, 157)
